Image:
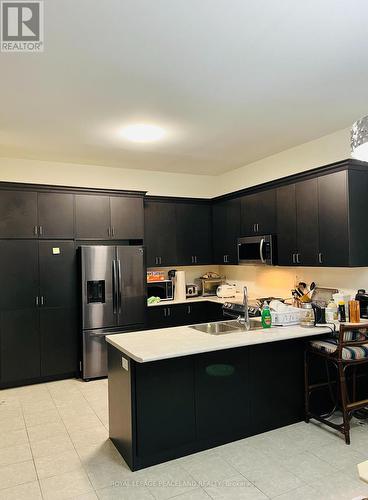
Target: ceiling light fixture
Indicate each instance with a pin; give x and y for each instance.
(142, 132)
(359, 139)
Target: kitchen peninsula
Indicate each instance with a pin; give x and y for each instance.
(176, 391)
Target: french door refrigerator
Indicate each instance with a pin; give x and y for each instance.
(113, 300)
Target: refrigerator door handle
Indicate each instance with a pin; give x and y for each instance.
(119, 287)
(114, 287)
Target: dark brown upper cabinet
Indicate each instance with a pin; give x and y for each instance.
(258, 213)
(160, 233)
(105, 218)
(226, 231)
(193, 233)
(297, 224)
(18, 214)
(92, 215)
(127, 218)
(55, 215)
(321, 221)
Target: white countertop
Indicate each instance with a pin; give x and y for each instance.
(209, 298)
(153, 345)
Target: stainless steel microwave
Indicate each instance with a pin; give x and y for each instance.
(257, 250)
(163, 289)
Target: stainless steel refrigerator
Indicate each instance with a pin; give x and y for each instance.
(113, 300)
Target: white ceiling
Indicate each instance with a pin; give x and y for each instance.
(232, 81)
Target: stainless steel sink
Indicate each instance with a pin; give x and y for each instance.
(222, 327)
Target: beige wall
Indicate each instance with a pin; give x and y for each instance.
(325, 150)
(68, 174)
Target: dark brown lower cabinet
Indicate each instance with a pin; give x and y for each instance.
(166, 315)
(165, 409)
(20, 345)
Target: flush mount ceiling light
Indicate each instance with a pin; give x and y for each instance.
(359, 139)
(142, 132)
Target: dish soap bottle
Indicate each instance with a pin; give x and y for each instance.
(266, 319)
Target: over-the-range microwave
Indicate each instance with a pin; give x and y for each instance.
(257, 250)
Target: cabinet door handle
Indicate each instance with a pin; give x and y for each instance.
(257, 227)
(37, 301)
(165, 312)
(168, 311)
(297, 258)
(40, 230)
(35, 230)
(320, 260)
(189, 310)
(195, 259)
(160, 258)
(42, 300)
(108, 232)
(293, 258)
(225, 259)
(112, 231)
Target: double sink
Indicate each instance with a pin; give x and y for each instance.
(223, 327)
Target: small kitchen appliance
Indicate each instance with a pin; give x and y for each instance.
(362, 297)
(208, 286)
(191, 290)
(163, 289)
(226, 291)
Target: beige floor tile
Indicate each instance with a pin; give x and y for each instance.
(303, 493)
(104, 474)
(94, 435)
(37, 406)
(13, 438)
(10, 423)
(212, 468)
(234, 488)
(67, 485)
(45, 431)
(128, 493)
(102, 453)
(307, 467)
(15, 454)
(82, 422)
(53, 465)
(166, 480)
(274, 480)
(27, 491)
(12, 475)
(52, 446)
(41, 417)
(86, 496)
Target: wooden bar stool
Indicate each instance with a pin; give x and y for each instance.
(346, 348)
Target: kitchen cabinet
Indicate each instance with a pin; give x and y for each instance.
(160, 233)
(297, 223)
(188, 313)
(18, 211)
(55, 215)
(38, 312)
(226, 231)
(92, 217)
(222, 382)
(333, 219)
(193, 233)
(127, 218)
(258, 213)
(58, 307)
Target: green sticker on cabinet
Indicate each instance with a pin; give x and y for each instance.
(220, 370)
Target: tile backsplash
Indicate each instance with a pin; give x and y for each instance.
(278, 281)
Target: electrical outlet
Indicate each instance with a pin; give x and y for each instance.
(125, 363)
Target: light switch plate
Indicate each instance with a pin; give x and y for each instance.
(125, 363)
(56, 251)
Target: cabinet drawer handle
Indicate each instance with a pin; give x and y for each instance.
(189, 310)
(320, 260)
(168, 311)
(165, 312)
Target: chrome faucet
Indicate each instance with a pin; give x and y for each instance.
(246, 312)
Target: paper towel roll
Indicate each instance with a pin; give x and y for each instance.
(180, 290)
